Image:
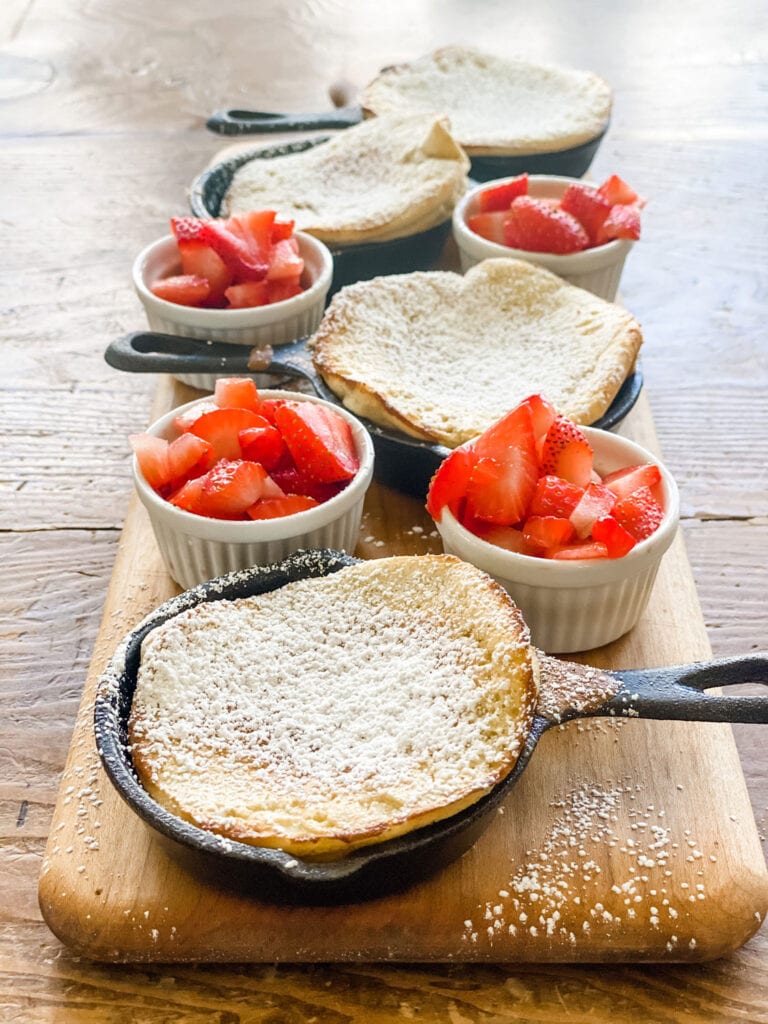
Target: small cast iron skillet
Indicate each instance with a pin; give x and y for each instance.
(569, 163)
(420, 251)
(661, 693)
(402, 462)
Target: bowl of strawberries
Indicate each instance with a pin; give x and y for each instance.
(246, 477)
(572, 522)
(247, 280)
(581, 232)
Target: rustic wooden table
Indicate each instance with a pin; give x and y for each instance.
(103, 110)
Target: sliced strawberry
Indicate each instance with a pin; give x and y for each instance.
(186, 229)
(625, 481)
(543, 415)
(242, 260)
(616, 190)
(263, 444)
(513, 430)
(188, 456)
(489, 226)
(500, 196)
(152, 455)
(236, 393)
(621, 222)
(500, 491)
(183, 289)
(274, 508)
(448, 486)
(535, 226)
(588, 207)
(285, 262)
(291, 481)
(247, 295)
(201, 261)
(267, 408)
(319, 440)
(617, 540)
(508, 537)
(286, 288)
(231, 487)
(189, 496)
(257, 226)
(221, 429)
(544, 532)
(591, 549)
(282, 229)
(596, 502)
(639, 513)
(185, 420)
(554, 497)
(567, 453)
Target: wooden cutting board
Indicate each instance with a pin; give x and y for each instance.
(625, 840)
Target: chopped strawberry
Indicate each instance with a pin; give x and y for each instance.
(221, 428)
(554, 497)
(617, 540)
(500, 196)
(239, 256)
(188, 456)
(513, 430)
(596, 502)
(590, 549)
(236, 393)
(567, 453)
(257, 227)
(183, 289)
(285, 262)
(291, 481)
(262, 444)
(543, 415)
(535, 226)
(503, 479)
(201, 261)
(448, 486)
(282, 229)
(152, 455)
(616, 190)
(230, 488)
(544, 532)
(625, 481)
(509, 537)
(267, 408)
(274, 508)
(588, 207)
(186, 229)
(319, 440)
(639, 513)
(621, 222)
(286, 288)
(247, 294)
(489, 226)
(185, 419)
(189, 495)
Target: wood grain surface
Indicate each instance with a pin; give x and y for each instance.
(102, 117)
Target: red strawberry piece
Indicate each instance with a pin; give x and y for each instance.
(243, 262)
(257, 227)
(291, 481)
(544, 532)
(319, 440)
(201, 261)
(183, 289)
(221, 429)
(567, 453)
(535, 226)
(448, 486)
(616, 190)
(231, 487)
(543, 415)
(285, 262)
(554, 497)
(262, 444)
(489, 226)
(596, 502)
(639, 513)
(508, 537)
(617, 540)
(188, 456)
(500, 197)
(588, 207)
(621, 222)
(500, 492)
(152, 455)
(590, 549)
(267, 408)
(189, 496)
(236, 393)
(286, 288)
(186, 229)
(282, 229)
(625, 481)
(185, 420)
(247, 294)
(275, 508)
(513, 430)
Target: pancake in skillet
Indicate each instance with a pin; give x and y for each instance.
(336, 712)
(442, 357)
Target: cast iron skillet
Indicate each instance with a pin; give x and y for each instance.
(402, 462)
(569, 163)
(661, 693)
(420, 251)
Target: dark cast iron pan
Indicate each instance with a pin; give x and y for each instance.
(570, 163)
(402, 462)
(420, 251)
(661, 693)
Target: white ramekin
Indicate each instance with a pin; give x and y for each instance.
(597, 270)
(576, 606)
(196, 549)
(276, 324)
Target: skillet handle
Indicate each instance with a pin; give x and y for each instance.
(675, 693)
(264, 122)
